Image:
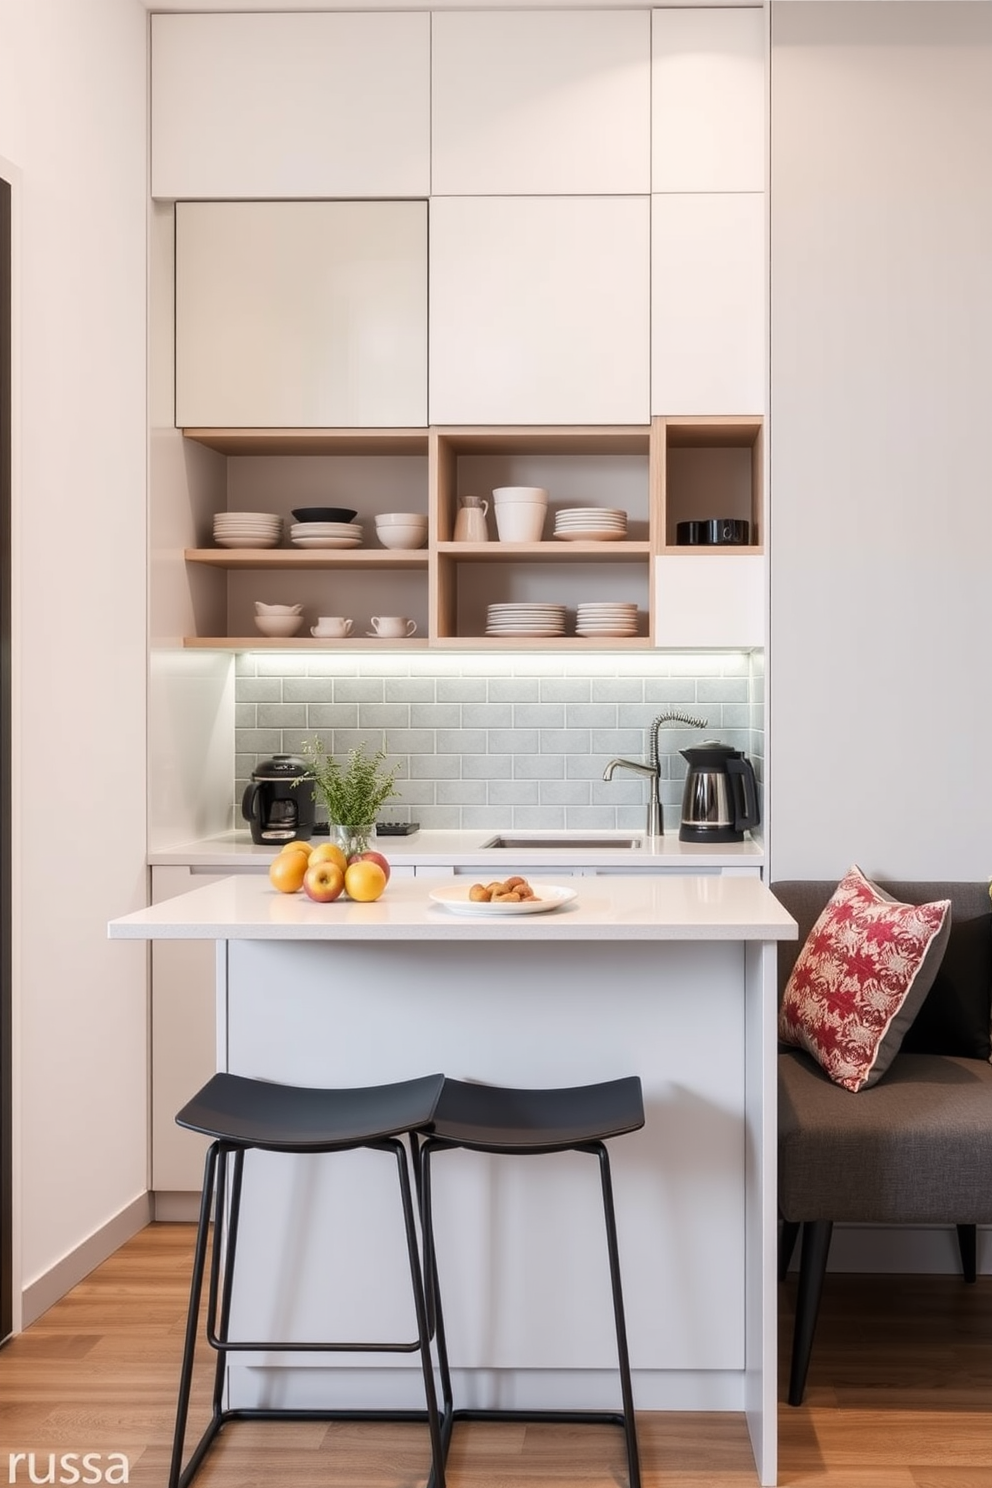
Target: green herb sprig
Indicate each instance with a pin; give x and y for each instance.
(353, 793)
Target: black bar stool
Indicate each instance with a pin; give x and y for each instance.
(487, 1118)
(242, 1114)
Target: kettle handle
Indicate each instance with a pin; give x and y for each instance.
(249, 802)
(745, 789)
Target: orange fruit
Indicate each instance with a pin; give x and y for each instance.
(329, 852)
(298, 846)
(286, 871)
(364, 881)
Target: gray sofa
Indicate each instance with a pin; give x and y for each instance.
(914, 1149)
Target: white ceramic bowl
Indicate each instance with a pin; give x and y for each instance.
(401, 519)
(267, 609)
(399, 536)
(509, 494)
(278, 625)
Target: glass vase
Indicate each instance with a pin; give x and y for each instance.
(352, 839)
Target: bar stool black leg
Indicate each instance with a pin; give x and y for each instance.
(192, 1318)
(422, 1174)
(436, 1479)
(626, 1387)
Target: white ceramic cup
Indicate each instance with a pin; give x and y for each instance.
(393, 625)
(331, 627)
(521, 522)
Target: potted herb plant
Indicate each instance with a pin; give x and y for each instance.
(353, 793)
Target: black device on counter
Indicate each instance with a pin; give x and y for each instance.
(276, 809)
(720, 797)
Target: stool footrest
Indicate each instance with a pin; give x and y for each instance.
(551, 1417)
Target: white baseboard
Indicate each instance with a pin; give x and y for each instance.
(42, 1293)
(899, 1249)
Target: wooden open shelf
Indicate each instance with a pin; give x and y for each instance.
(670, 470)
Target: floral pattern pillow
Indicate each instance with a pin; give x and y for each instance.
(860, 979)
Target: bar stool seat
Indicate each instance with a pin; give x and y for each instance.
(499, 1119)
(242, 1114)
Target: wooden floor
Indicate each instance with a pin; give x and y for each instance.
(900, 1396)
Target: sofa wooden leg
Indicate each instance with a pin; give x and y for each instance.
(788, 1235)
(968, 1246)
(812, 1269)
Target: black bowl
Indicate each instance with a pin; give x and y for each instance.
(324, 514)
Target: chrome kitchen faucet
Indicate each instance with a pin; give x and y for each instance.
(655, 826)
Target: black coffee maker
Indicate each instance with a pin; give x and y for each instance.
(276, 809)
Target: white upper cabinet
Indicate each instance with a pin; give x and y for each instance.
(541, 102)
(301, 314)
(298, 105)
(708, 100)
(708, 300)
(539, 310)
(714, 601)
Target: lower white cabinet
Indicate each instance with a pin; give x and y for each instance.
(539, 310)
(708, 298)
(301, 314)
(183, 1039)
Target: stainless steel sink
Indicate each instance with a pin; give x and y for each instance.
(571, 843)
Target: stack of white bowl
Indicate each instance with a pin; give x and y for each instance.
(278, 620)
(523, 619)
(326, 534)
(401, 529)
(602, 618)
(238, 529)
(520, 513)
(590, 524)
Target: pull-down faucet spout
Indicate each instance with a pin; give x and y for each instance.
(655, 824)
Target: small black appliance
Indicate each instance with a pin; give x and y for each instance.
(276, 809)
(720, 797)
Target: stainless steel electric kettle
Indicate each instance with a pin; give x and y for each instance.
(720, 798)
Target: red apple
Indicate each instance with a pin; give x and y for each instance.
(371, 857)
(323, 881)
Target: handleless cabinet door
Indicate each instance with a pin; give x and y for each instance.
(183, 1039)
(539, 310)
(708, 100)
(301, 314)
(708, 299)
(297, 105)
(540, 102)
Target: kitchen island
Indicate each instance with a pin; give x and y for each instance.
(671, 978)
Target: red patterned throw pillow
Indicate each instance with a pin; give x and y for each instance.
(861, 978)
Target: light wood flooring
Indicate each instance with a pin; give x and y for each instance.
(900, 1396)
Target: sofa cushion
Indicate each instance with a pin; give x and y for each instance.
(915, 1149)
(956, 1016)
(861, 977)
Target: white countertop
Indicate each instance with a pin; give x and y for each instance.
(633, 908)
(465, 848)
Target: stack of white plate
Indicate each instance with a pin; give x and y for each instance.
(525, 620)
(603, 619)
(247, 529)
(326, 534)
(591, 524)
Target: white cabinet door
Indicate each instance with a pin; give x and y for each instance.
(301, 314)
(708, 298)
(183, 1039)
(541, 102)
(708, 100)
(718, 601)
(539, 310)
(299, 105)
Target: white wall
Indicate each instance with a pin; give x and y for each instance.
(881, 385)
(73, 124)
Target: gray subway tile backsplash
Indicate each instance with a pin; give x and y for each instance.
(504, 742)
